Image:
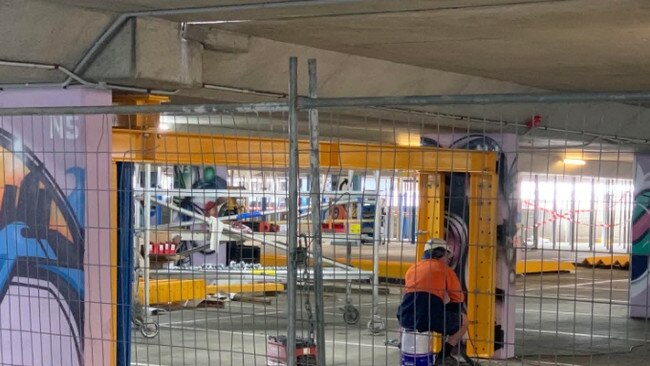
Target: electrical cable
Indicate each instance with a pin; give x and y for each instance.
(463, 351)
(464, 354)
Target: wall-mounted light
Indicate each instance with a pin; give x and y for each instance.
(163, 127)
(574, 162)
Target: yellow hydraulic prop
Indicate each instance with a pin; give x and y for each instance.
(150, 145)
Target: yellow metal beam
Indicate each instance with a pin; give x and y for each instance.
(273, 260)
(232, 151)
(169, 291)
(245, 288)
(481, 263)
(391, 157)
(184, 148)
(530, 266)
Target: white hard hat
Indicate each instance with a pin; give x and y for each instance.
(435, 243)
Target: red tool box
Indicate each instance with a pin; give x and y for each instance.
(276, 351)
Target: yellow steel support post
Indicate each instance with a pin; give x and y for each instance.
(481, 264)
(431, 220)
(424, 215)
(439, 207)
(146, 123)
(139, 121)
(431, 212)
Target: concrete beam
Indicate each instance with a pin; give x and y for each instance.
(218, 40)
(264, 67)
(150, 52)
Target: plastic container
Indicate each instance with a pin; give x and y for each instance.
(415, 343)
(417, 349)
(418, 360)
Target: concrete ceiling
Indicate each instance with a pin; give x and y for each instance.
(281, 9)
(140, 5)
(363, 48)
(560, 45)
(552, 44)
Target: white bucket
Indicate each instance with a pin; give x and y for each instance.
(416, 343)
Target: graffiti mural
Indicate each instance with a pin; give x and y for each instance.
(41, 251)
(639, 277)
(55, 252)
(202, 177)
(457, 221)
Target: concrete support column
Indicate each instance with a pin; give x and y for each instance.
(640, 258)
(62, 162)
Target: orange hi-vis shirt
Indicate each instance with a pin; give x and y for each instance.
(435, 277)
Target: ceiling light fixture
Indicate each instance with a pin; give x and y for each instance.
(574, 162)
(210, 22)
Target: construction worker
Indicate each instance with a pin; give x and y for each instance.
(433, 298)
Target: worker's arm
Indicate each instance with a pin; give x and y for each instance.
(454, 289)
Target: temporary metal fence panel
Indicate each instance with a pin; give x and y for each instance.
(250, 223)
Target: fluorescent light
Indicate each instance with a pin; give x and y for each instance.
(208, 22)
(574, 162)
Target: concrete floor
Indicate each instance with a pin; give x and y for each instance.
(562, 319)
